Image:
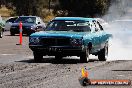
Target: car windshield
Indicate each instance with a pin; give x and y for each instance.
(11, 20)
(26, 20)
(77, 26)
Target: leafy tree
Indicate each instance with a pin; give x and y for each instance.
(88, 8)
(84, 8)
(29, 7)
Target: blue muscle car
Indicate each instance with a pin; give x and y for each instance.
(70, 36)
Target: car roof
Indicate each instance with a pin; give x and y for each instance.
(74, 18)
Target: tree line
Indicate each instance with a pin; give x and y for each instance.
(83, 8)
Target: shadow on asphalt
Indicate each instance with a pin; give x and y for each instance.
(54, 61)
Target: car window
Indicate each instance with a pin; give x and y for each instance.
(26, 20)
(100, 27)
(95, 29)
(11, 20)
(77, 26)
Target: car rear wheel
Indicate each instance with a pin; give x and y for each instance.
(84, 57)
(37, 56)
(1, 34)
(102, 56)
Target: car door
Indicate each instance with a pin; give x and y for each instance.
(104, 36)
(97, 35)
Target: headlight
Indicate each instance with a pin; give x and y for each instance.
(34, 40)
(76, 42)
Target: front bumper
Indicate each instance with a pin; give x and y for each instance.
(53, 50)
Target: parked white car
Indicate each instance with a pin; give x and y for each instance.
(9, 22)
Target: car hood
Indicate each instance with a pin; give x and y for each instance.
(59, 34)
(24, 24)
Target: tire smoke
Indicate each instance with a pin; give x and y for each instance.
(119, 18)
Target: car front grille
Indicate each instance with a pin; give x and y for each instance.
(55, 41)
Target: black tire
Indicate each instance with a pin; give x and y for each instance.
(37, 56)
(12, 34)
(84, 57)
(1, 34)
(102, 55)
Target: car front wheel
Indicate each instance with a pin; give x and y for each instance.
(84, 57)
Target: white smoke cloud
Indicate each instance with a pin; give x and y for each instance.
(119, 9)
(121, 43)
